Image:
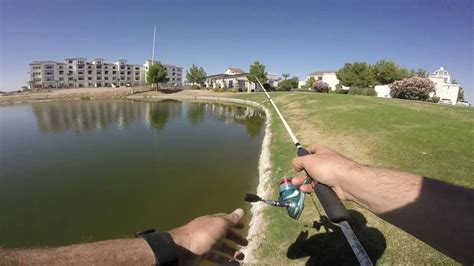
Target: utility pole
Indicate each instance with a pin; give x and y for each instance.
(153, 49)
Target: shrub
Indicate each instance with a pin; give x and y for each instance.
(362, 91)
(341, 91)
(195, 87)
(414, 88)
(435, 99)
(320, 86)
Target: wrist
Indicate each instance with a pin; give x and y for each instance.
(183, 243)
(354, 181)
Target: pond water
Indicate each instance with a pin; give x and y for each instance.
(81, 171)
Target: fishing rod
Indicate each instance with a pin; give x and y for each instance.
(293, 199)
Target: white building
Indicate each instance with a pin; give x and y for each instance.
(383, 91)
(79, 73)
(443, 86)
(235, 77)
(328, 77)
(175, 73)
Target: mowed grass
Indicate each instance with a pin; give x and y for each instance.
(423, 138)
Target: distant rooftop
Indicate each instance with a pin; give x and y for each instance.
(321, 72)
(236, 70)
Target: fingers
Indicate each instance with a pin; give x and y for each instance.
(298, 181)
(220, 259)
(235, 217)
(308, 188)
(237, 238)
(299, 163)
(234, 253)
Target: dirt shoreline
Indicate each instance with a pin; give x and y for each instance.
(97, 93)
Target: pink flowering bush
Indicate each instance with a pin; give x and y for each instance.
(414, 88)
(320, 86)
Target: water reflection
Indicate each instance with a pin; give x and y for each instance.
(82, 116)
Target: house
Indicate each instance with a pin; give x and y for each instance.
(328, 77)
(444, 87)
(235, 77)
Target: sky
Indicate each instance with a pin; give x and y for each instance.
(296, 37)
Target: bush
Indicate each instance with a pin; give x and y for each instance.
(362, 91)
(434, 99)
(341, 91)
(195, 87)
(414, 88)
(320, 86)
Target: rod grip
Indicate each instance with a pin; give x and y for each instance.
(331, 203)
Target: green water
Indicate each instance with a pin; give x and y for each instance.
(74, 172)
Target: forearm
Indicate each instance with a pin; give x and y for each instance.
(112, 252)
(438, 213)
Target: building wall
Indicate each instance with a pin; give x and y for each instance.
(78, 72)
(330, 78)
(174, 73)
(444, 89)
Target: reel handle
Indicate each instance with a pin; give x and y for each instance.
(332, 205)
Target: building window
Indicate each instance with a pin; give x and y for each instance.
(61, 72)
(106, 78)
(80, 62)
(320, 78)
(60, 67)
(89, 72)
(128, 68)
(122, 73)
(106, 72)
(114, 72)
(89, 78)
(70, 67)
(70, 61)
(61, 79)
(137, 73)
(80, 73)
(128, 73)
(114, 67)
(99, 72)
(70, 72)
(137, 68)
(137, 78)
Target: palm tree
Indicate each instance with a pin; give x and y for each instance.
(285, 75)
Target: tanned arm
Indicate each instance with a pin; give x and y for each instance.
(210, 238)
(438, 213)
(112, 252)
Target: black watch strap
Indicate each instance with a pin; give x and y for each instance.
(162, 245)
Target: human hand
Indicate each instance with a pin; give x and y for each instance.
(328, 167)
(203, 239)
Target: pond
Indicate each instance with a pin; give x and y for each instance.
(80, 171)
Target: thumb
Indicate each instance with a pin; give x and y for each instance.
(237, 215)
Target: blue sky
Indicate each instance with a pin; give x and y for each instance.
(287, 36)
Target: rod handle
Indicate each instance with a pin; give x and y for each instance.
(331, 203)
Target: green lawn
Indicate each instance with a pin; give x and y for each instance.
(423, 138)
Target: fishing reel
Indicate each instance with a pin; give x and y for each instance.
(290, 198)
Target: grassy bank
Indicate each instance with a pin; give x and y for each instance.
(423, 138)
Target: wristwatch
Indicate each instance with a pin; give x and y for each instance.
(162, 245)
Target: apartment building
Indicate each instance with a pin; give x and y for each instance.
(80, 73)
(175, 73)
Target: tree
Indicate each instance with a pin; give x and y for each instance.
(357, 74)
(321, 86)
(461, 94)
(386, 72)
(285, 75)
(309, 83)
(421, 73)
(288, 84)
(414, 88)
(157, 73)
(257, 71)
(196, 75)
